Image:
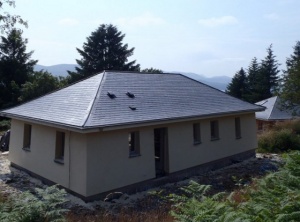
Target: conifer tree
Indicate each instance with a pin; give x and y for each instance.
(253, 81)
(268, 78)
(103, 50)
(238, 86)
(15, 66)
(290, 95)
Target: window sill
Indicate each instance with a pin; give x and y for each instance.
(214, 139)
(197, 143)
(59, 161)
(132, 155)
(27, 149)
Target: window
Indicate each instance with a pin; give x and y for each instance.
(27, 137)
(238, 134)
(196, 133)
(134, 144)
(214, 130)
(60, 147)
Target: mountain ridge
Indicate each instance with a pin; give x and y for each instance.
(219, 82)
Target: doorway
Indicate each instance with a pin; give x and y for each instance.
(161, 151)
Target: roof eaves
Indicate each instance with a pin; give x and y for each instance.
(212, 115)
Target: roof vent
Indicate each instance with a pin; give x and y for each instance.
(132, 108)
(111, 95)
(131, 95)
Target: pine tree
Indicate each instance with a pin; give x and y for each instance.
(238, 86)
(268, 78)
(104, 50)
(290, 94)
(253, 81)
(15, 67)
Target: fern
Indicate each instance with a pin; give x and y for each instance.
(46, 205)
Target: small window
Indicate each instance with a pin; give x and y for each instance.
(60, 147)
(27, 137)
(214, 130)
(134, 143)
(196, 133)
(238, 134)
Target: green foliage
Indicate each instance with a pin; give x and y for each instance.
(239, 85)
(152, 70)
(290, 95)
(39, 84)
(4, 125)
(46, 206)
(103, 50)
(15, 67)
(8, 21)
(274, 141)
(268, 76)
(281, 138)
(273, 198)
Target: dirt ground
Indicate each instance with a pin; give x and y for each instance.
(226, 179)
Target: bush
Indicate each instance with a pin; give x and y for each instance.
(4, 125)
(293, 125)
(275, 197)
(46, 205)
(278, 141)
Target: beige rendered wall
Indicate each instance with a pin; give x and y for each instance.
(40, 158)
(184, 154)
(109, 164)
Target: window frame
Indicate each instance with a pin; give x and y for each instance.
(60, 143)
(214, 130)
(237, 125)
(197, 133)
(134, 144)
(27, 136)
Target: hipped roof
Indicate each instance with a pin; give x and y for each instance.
(274, 110)
(157, 97)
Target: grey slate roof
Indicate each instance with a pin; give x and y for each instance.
(273, 110)
(156, 97)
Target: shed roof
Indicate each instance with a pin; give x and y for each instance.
(152, 97)
(273, 110)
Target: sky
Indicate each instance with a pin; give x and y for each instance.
(208, 37)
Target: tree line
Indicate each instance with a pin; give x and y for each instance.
(104, 50)
(261, 80)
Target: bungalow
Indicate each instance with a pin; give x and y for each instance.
(121, 130)
(272, 114)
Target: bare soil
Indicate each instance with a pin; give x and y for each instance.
(142, 206)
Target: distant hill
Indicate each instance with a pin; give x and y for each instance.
(219, 82)
(56, 70)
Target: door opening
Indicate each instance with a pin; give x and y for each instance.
(161, 151)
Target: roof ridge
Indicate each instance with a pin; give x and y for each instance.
(93, 103)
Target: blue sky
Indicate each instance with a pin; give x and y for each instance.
(209, 37)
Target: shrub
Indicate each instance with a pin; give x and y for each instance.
(293, 125)
(273, 198)
(4, 125)
(46, 205)
(277, 141)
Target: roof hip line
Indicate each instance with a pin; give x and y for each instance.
(93, 103)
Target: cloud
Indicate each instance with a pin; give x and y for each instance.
(143, 20)
(213, 22)
(271, 16)
(68, 22)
